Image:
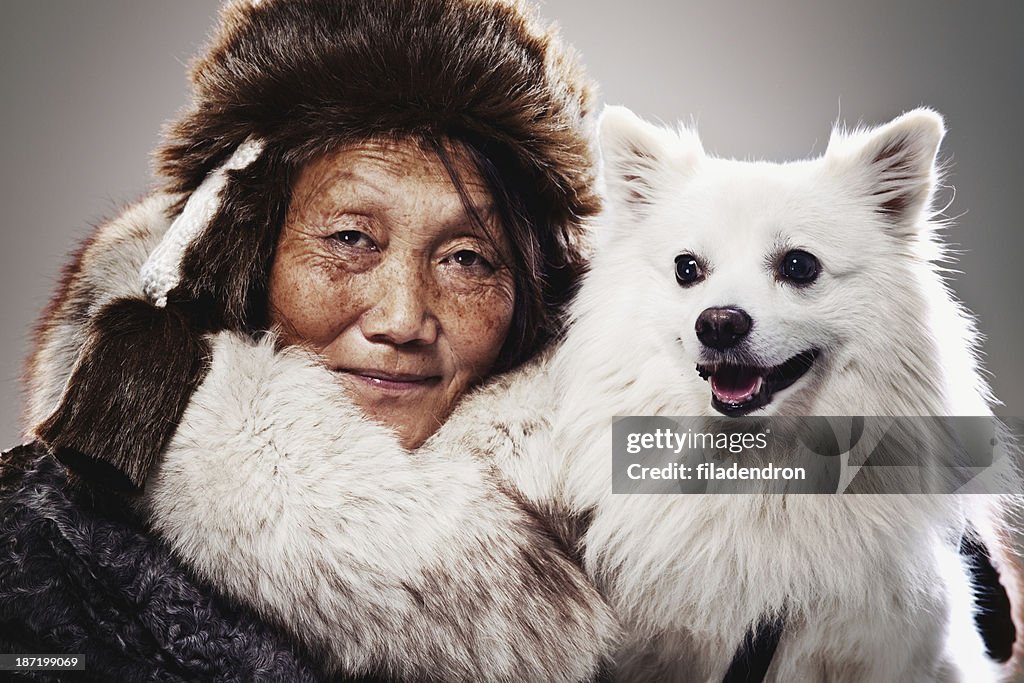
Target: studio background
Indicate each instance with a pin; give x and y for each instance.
(87, 86)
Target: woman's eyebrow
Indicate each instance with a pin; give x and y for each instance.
(485, 210)
(483, 224)
(329, 200)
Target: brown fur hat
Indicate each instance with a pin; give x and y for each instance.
(289, 81)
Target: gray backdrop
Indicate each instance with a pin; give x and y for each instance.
(86, 87)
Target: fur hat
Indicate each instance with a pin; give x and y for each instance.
(283, 83)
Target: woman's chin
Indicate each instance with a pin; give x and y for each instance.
(412, 408)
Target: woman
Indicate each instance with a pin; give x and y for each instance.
(395, 189)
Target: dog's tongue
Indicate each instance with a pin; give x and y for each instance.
(735, 385)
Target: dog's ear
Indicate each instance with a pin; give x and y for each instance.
(635, 156)
(894, 165)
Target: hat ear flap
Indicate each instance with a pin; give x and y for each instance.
(126, 393)
(143, 358)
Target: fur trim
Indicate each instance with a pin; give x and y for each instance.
(133, 365)
(104, 268)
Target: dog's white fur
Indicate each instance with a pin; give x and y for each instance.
(872, 587)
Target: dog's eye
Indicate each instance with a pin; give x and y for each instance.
(687, 270)
(799, 267)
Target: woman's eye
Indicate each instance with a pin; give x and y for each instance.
(688, 270)
(353, 238)
(799, 267)
(467, 258)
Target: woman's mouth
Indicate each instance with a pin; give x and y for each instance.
(740, 389)
(392, 381)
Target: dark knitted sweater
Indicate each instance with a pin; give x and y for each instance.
(79, 574)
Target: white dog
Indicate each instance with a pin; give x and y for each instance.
(723, 287)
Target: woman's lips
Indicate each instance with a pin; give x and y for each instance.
(392, 382)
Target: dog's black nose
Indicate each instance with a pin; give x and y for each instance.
(722, 328)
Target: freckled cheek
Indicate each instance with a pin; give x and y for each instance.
(476, 328)
(310, 305)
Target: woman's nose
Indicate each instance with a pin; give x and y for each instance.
(402, 313)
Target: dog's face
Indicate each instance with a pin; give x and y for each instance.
(771, 281)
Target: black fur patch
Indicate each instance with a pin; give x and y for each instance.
(753, 658)
(127, 393)
(993, 617)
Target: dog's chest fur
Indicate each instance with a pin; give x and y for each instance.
(692, 573)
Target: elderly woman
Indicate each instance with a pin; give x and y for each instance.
(370, 207)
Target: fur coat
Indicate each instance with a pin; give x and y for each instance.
(281, 535)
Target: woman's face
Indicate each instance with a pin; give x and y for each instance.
(381, 270)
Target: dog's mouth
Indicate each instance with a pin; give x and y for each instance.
(740, 389)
